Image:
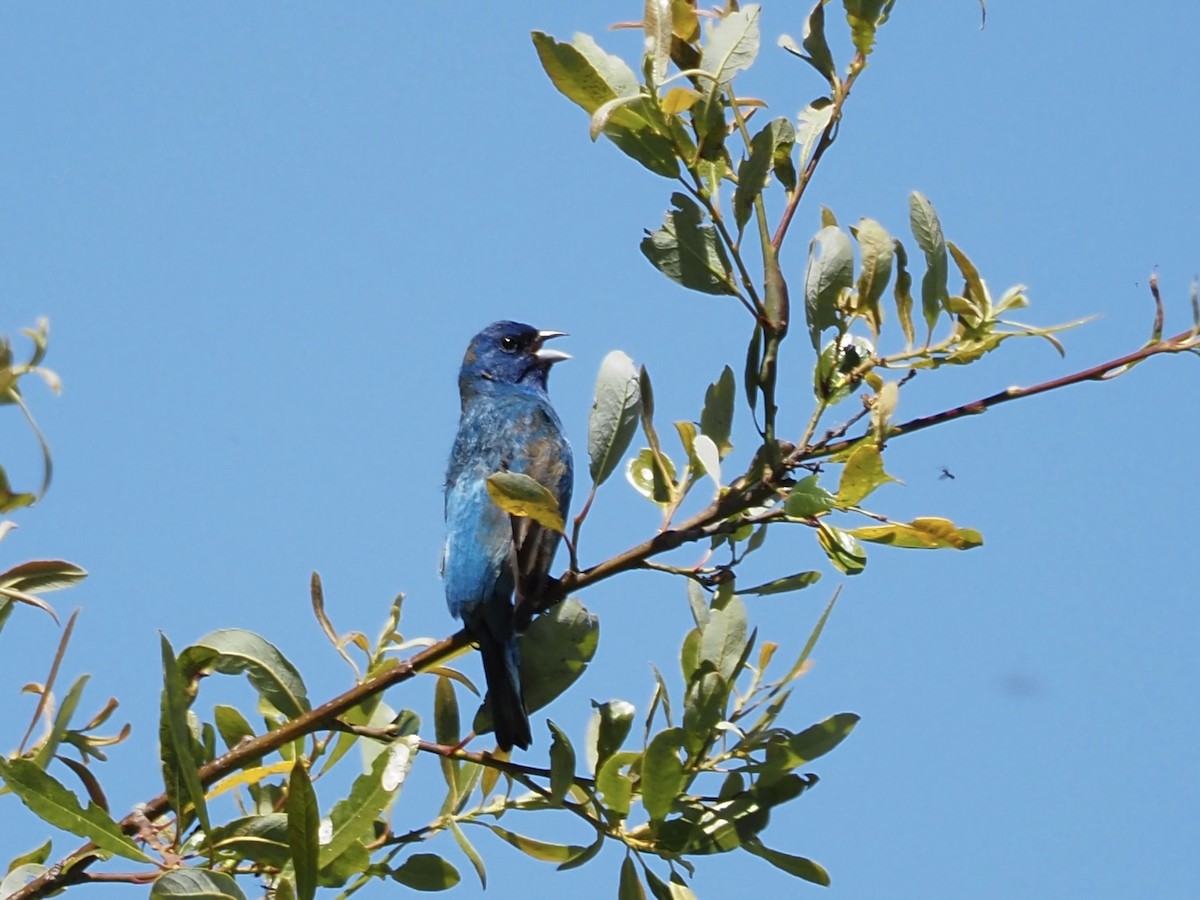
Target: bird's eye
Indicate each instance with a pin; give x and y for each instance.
(508, 344)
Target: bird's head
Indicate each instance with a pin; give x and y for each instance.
(509, 353)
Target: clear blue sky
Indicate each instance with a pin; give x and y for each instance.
(263, 236)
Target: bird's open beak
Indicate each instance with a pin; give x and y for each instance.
(545, 354)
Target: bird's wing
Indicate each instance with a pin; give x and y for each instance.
(547, 459)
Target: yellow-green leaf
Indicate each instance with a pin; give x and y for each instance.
(862, 474)
(520, 495)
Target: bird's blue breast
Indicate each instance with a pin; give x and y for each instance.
(503, 427)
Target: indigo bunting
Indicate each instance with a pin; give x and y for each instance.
(507, 424)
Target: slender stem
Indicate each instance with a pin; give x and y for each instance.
(826, 141)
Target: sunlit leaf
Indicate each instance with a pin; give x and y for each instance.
(865, 17)
(519, 495)
(921, 534)
(50, 801)
(793, 865)
(807, 499)
(842, 549)
(732, 44)
(862, 474)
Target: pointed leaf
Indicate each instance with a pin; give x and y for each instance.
(303, 825)
(543, 850)
(562, 764)
(41, 576)
(232, 651)
(876, 249)
(927, 230)
(724, 638)
(426, 872)
(829, 272)
(50, 801)
(862, 474)
(810, 125)
(795, 582)
(793, 865)
(716, 420)
(688, 252)
(776, 138)
(807, 499)
(732, 44)
(658, 26)
(662, 773)
(921, 534)
(614, 416)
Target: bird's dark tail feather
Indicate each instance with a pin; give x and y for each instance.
(509, 719)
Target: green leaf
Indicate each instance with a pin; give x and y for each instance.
(35, 857)
(426, 872)
(795, 582)
(447, 732)
(41, 576)
(775, 140)
(750, 382)
(610, 725)
(876, 249)
(977, 291)
(590, 77)
(196, 884)
(303, 825)
(926, 533)
(178, 759)
(562, 764)
(662, 773)
(260, 839)
(520, 495)
(232, 651)
(50, 743)
(50, 801)
(817, 740)
(703, 708)
(543, 850)
(865, 17)
(584, 73)
(470, 852)
(842, 549)
(808, 499)
(614, 782)
(716, 420)
(629, 887)
(732, 44)
(614, 416)
(902, 291)
(688, 252)
(352, 819)
(927, 230)
(233, 728)
(724, 638)
(829, 272)
(793, 865)
(862, 474)
(555, 650)
(815, 45)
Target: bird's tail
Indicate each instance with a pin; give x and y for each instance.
(501, 659)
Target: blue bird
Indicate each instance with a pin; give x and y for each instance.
(507, 424)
